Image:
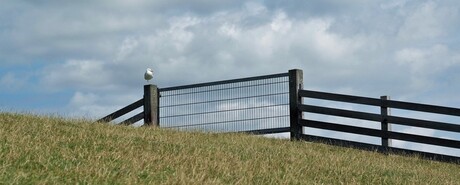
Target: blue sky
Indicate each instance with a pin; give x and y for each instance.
(87, 58)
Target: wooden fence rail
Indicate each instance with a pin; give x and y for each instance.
(384, 133)
(149, 102)
(123, 111)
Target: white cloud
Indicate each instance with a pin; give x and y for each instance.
(281, 23)
(425, 64)
(254, 9)
(428, 21)
(393, 4)
(251, 40)
(126, 48)
(95, 106)
(80, 99)
(230, 30)
(78, 74)
(178, 33)
(11, 81)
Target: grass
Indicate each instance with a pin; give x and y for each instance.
(46, 150)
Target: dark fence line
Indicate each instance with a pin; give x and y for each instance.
(379, 102)
(255, 105)
(381, 149)
(150, 113)
(225, 82)
(273, 104)
(124, 111)
(384, 133)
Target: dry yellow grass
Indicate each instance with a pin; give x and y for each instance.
(45, 150)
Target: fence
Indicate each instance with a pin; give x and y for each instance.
(257, 104)
(150, 104)
(274, 104)
(385, 120)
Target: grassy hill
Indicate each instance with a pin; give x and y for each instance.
(47, 150)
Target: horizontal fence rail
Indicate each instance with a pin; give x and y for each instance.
(384, 119)
(150, 109)
(125, 110)
(379, 102)
(255, 105)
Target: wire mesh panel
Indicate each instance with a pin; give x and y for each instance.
(228, 106)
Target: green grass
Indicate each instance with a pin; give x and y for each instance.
(45, 150)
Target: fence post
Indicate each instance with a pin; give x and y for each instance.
(295, 84)
(151, 105)
(385, 126)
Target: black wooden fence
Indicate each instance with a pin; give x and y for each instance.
(274, 104)
(149, 102)
(385, 120)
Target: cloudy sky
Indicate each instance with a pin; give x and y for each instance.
(87, 58)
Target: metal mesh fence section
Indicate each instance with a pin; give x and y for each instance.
(227, 106)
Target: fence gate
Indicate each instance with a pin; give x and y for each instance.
(256, 104)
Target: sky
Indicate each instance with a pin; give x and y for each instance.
(87, 58)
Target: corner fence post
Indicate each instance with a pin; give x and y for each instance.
(295, 84)
(151, 105)
(385, 126)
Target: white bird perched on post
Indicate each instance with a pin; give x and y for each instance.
(148, 74)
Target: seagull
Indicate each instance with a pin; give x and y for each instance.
(148, 74)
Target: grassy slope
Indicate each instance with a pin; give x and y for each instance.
(55, 151)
